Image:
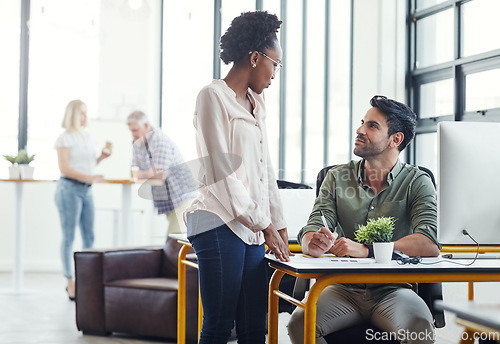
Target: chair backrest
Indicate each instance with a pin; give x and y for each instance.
(283, 184)
(429, 292)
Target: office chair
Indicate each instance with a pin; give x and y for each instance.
(429, 292)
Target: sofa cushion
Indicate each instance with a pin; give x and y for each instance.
(118, 265)
(141, 311)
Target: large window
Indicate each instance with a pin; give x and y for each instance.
(115, 57)
(308, 102)
(105, 53)
(454, 61)
(64, 48)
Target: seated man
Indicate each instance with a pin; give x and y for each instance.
(351, 194)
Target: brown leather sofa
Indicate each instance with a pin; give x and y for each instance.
(134, 291)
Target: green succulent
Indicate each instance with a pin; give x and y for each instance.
(23, 158)
(375, 230)
(10, 158)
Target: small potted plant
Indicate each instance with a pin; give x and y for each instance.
(14, 168)
(23, 159)
(378, 232)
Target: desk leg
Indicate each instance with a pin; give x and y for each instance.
(310, 310)
(17, 271)
(273, 313)
(125, 240)
(181, 295)
(471, 291)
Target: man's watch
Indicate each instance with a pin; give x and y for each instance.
(370, 250)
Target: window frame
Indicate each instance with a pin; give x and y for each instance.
(457, 70)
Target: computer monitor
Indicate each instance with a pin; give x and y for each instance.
(468, 184)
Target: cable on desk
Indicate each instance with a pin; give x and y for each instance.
(418, 260)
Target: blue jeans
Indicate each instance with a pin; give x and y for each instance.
(76, 207)
(233, 286)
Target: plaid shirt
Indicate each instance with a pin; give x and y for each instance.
(166, 157)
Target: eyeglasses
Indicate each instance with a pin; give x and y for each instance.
(277, 65)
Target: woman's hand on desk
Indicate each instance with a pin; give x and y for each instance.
(276, 245)
(284, 236)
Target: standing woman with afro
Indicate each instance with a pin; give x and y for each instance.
(238, 208)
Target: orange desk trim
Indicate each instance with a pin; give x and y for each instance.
(325, 279)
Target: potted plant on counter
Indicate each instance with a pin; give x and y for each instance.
(14, 168)
(23, 159)
(378, 232)
(20, 168)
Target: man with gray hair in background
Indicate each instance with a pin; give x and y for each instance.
(157, 156)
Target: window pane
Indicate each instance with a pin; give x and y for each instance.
(104, 53)
(480, 95)
(10, 15)
(480, 21)
(293, 89)
(421, 4)
(272, 95)
(58, 74)
(426, 151)
(436, 99)
(315, 80)
(435, 39)
(339, 83)
(182, 82)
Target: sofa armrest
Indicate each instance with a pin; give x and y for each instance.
(89, 292)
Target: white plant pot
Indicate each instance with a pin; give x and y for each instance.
(383, 252)
(14, 172)
(26, 171)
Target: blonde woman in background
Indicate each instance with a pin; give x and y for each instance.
(77, 159)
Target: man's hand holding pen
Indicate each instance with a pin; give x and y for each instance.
(320, 241)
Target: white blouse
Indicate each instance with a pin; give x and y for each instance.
(237, 179)
(82, 155)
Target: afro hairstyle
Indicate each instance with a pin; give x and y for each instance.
(249, 32)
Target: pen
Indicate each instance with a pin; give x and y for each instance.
(323, 219)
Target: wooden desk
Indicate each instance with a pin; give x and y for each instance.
(479, 319)
(19, 225)
(328, 270)
(470, 249)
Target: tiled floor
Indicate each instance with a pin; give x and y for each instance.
(43, 314)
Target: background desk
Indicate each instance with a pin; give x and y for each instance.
(328, 272)
(475, 317)
(20, 216)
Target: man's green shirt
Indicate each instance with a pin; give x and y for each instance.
(347, 202)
